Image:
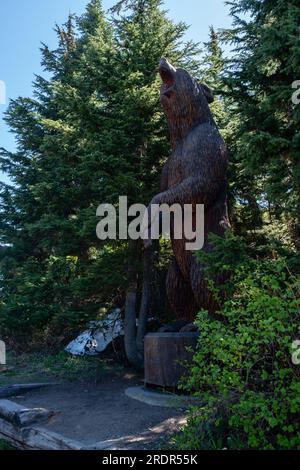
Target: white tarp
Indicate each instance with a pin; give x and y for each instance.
(98, 336)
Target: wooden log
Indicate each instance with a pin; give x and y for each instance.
(43, 439)
(36, 438)
(17, 426)
(165, 355)
(11, 434)
(18, 389)
(20, 416)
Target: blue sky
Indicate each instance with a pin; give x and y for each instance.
(25, 24)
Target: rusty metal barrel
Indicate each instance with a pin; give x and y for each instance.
(165, 354)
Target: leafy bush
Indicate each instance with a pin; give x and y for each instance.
(243, 366)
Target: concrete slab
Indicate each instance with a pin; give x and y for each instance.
(156, 398)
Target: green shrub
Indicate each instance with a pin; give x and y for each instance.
(243, 367)
(47, 302)
(4, 445)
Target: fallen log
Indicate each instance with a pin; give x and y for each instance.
(19, 389)
(21, 416)
(20, 427)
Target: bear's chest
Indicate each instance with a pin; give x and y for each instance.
(178, 166)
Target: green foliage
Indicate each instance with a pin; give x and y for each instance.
(33, 366)
(211, 71)
(61, 292)
(259, 76)
(4, 445)
(93, 131)
(243, 366)
(69, 367)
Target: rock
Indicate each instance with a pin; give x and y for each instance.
(98, 336)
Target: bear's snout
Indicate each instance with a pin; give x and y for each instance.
(167, 72)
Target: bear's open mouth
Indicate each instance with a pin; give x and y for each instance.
(167, 76)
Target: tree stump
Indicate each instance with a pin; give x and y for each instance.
(165, 355)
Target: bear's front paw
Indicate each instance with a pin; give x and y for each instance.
(189, 328)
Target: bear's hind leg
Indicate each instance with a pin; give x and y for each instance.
(204, 297)
(180, 295)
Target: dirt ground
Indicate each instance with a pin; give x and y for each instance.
(93, 407)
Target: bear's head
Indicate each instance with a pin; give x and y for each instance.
(184, 100)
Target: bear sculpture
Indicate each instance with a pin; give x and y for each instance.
(195, 173)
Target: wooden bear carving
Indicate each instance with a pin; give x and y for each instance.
(195, 173)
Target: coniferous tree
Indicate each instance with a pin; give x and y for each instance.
(50, 271)
(265, 63)
(212, 69)
(93, 131)
(144, 35)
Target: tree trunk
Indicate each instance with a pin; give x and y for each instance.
(145, 301)
(131, 349)
(134, 336)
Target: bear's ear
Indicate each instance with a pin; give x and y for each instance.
(207, 92)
